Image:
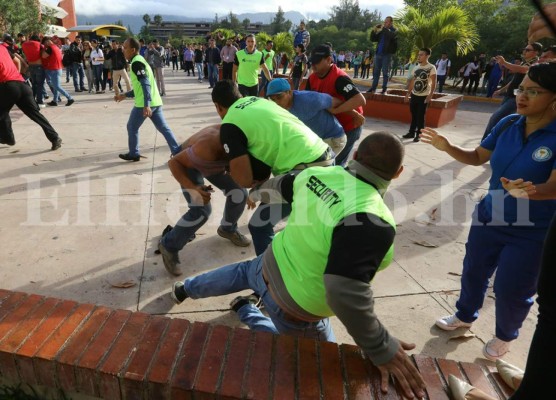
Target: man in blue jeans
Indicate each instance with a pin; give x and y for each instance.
(387, 39)
(148, 103)
(203, 157)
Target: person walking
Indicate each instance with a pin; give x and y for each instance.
(52, 64)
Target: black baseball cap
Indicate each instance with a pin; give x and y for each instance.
(320, 52)
(7, 38)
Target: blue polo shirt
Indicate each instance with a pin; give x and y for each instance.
(311, 108)
(532, 159)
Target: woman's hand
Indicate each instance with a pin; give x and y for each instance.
(432, 137)
(518, 188)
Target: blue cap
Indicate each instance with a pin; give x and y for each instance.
(276, 86)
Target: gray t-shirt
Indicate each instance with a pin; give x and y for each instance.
(422, 79)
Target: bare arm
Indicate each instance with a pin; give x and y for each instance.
(234, 73)
(241, 172)
(525, 189)
(356, 101)
(477, 156)
(520, 69)
(266, 71)
(178, 166)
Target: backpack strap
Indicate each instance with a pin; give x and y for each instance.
(507, 124)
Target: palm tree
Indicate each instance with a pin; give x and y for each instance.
(449, 24)
(158, 19)
(147, 19)
(283, 42)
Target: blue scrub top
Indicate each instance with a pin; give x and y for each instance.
(513, 157)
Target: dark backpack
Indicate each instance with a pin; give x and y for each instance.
(67, 59)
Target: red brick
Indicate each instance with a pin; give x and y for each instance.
(86, 368)
(24, 356)
(237, 363)
(13, 340)
(257, 381)
(71, 353)
(43, 359)
(137, 369)
(8, 303)
(212, 362)
(285, 368)
(4, 294)
(163, 364)
(358, 385)
(18, 314)
(124, 347)
(307, 371)
(427, 368)
(186, 369)
(331, 371)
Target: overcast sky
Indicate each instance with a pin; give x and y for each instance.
(192, 8)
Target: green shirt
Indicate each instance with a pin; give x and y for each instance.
(248, 67)
(269, 60)
(323, 197)
(156, 100)
(274, 135)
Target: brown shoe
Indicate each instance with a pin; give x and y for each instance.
(235, 237)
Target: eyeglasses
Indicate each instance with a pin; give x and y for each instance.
(530, 93)
(526, 49)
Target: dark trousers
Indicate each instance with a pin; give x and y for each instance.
(227, 68)
(20, 94)
(78, 76)
(189, 68)
(248, 90)
(440, 80)
(418, 109)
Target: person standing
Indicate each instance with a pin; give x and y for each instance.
(227, 55)
(119, 67)
(247, 64)
(14, 91)
(76, 55)
(32, 49)
(387, 39)
(212, 58)
(148, 103)
(268, 57)
(199, 58)
(421, 88)
(302, 36)
(328, 78)
(97, 62)
(442, 71)
(156, 58)
(188, 55)
(52, 64)
(299, 67)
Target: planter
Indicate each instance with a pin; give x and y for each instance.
(391, 106)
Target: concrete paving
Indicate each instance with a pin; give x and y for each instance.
(79, 222)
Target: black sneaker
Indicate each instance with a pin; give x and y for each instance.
(70, 102)
(129, 157)
(241, 301)
(56, 144)
(408, 135)
(170, 259)
(10, 141)
(178, 292)
(416, 138)
(52, 104)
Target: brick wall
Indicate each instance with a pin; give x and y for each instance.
(118, 354)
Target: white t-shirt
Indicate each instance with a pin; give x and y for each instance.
(422, 77)
(95, 55)
(469, 68)
(442, 66)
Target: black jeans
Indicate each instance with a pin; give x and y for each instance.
(539, 370)
(418, 108)
(20, 94)
(248, 90)
(227, 69)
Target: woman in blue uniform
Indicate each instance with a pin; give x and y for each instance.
(510, 223)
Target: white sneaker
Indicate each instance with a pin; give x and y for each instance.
(451, 322)
(495, 348)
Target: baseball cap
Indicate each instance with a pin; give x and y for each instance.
(7, 38)
(320, 52)
(276, 86)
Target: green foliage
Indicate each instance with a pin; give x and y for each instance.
(147, 19)
(226, 33)
(279, 23)
(23, 16)
(430, 6)
(348, 15)
(451, 24)
(283, 42)
(157, 19)
(232, 22)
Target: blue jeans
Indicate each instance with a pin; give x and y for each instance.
(97, 74)
(507, 107)
(262, 223)
(135, 121)
(55, 76)
(77, 71)
(199, 67)
(38, 77)
(213, 74)
(440, 79)
(382, 63)
(515, 254)
(352, 137)
(248, 275)
(264, 82)
(197, 215)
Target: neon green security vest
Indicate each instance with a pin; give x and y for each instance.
(248, 68)
(156, 100)
(274, 135)
(322, 198)
(268, 61)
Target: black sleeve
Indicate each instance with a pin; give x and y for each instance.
(233, 140)
(49, 50)
(139, 69)
(236, 60)
(307, 84)
(262, 59)
(360, 241)
(345, 87)
(286, 187)
(261, 171)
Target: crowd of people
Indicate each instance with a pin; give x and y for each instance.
(298, 160)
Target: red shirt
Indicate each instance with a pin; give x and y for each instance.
(32, 50)
(8, 70)
(54, 60)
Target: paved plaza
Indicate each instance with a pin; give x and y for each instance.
(81, 224)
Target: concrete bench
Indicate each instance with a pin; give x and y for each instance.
(83, 351)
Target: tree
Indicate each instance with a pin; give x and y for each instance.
(283, 42)
(348, 15)
(23, 16)
(147, 19)
(158, 19)
(245, 23)
(428, 30)
(429, 7)
(279, 23)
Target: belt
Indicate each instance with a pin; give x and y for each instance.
(326, 159)
(287, 317)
